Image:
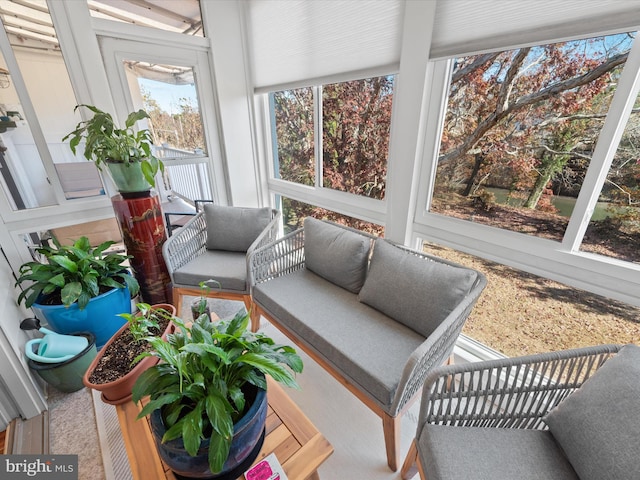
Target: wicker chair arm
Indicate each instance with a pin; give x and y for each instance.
(186, 243)
(508, 393)
(269, 234)
(435, 350)
(277, 258)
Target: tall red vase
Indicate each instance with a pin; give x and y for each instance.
(143, 231)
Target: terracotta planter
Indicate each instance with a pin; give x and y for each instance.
(119, 391)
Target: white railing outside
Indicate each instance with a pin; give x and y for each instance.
(186, 172)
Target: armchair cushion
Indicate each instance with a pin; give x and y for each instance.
(598, 426)
(336, 254)
(227, 268)
(418, 292)
(234, 228)
(455, 453)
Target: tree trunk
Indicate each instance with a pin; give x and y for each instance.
(479, 159)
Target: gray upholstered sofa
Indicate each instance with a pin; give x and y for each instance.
(376, 315)
(567, 415)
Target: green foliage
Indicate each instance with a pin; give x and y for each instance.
(105, 142)
(77, 272)
(205, 288)
(145, 319)
(198, 382)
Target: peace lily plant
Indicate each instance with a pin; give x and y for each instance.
(106, 144)
(199, 383)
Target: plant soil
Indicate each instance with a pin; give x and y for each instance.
(119, 356)
(519, 313)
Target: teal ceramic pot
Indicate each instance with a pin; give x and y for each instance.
(100, 316)
(128, 177)
(248, 436)
(67, 376)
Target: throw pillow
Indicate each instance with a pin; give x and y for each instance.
(336, 254)
(234, 228)
(415, 291)
(598, 426)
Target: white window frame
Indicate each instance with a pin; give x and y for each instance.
(560, 261)
(356, 206)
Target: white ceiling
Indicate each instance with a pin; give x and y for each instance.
(28, 22)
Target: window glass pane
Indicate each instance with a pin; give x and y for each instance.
(170, 98)
(35, 45)
(614, 229)
(520, 129)
(519, 313)
(293, 141)
(294, 213)
(356, 120)
(169, 95)
(180, 16)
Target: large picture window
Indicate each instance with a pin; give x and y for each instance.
(334, 139)
(519, 134)
(334, 136)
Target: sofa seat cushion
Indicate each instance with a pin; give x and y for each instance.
(474, 453)
(335, 253)
(366, 346)
(598, 426)
(209, 266)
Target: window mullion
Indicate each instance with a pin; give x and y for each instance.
(605, 150)
(317, 133)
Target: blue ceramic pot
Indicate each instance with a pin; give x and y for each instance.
(99, 317)
(247, 433)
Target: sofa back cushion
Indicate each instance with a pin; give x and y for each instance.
(418, 292)
(336, 254)
(598, 426)
(234, 228)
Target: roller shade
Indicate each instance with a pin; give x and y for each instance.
(293, 41)
(298, 42)
(469, 26)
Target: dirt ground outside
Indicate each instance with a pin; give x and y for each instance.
(519, 313)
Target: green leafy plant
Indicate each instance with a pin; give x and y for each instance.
(146, 318)
(77, 273)
(201, 305)
(105, 142)
(198, 382)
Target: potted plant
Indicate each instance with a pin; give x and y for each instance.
(78, 288)
(200, 305)
(117, 366)
(126, 152)
(207, 401)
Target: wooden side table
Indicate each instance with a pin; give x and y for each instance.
(296, 442)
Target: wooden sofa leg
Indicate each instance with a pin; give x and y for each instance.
(410, 465)
(255, 318)
(177, 301)
(391, 428)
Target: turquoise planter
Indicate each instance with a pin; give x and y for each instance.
(99, 317)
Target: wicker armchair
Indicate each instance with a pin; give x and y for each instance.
(510, 393)
(191, 258)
